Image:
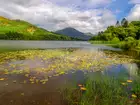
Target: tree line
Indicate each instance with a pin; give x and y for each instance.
(47, 36)
(123, 30)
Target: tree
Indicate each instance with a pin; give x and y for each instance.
(138, 34)
(107, 36)
(129, 39)
(136, 23)
(117, 23)
(131, 31)
(121, 33)
(115, 40)
(124, 22)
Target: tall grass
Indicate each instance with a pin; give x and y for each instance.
(102, 91)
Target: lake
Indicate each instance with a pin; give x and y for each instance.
(52, 44)
(37, 76)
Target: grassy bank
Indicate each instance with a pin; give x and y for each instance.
(104, 91)
(128, 45)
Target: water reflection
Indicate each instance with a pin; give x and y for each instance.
(52, 44)
(122, 71)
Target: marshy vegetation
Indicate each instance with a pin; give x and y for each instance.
(50, 77)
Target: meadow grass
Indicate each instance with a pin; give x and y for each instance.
(104, 91)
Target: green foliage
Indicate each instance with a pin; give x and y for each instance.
(130, 44)
(129, 39)
(22, 30)
(115, 40)
(127, 33)
(120, 31)
(124, 22)
(99, 91)
(117, 23)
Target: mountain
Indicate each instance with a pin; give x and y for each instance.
(71, 32)
(89, 34)
(22, 30)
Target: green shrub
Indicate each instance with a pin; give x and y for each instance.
(115, 40)
(129, 39)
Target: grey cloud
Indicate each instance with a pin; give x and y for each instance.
(53, 17)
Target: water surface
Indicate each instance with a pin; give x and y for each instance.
(14, 90)
(52, 44)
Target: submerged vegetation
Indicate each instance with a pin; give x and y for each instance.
(58, 60)
(37, 67)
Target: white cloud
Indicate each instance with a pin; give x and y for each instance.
(135, 1)
(52, 16)
(81, 3)
(134, 13)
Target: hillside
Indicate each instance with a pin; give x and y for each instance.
(22, 30)
(89, 34)
(73, 33)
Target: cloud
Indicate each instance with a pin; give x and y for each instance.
(135, 1)
(134, 13)
(80, 3)
(53, 16)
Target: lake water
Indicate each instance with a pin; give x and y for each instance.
(39, 94)
(52, 44)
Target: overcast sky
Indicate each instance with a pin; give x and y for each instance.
(84, 15)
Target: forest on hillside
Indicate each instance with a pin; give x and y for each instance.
(122, 30)
(124, 34)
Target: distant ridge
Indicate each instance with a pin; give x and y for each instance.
(71, 32)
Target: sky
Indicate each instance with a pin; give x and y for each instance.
(84, 15)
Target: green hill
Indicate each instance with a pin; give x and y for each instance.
(22, 30)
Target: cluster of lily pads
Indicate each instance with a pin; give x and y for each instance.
(55, 62)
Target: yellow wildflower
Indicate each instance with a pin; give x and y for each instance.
(129, 81)
(1, 79)
(123, 83)
(133, 95)
(83, 88)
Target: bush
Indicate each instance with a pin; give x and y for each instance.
(14, 36)
(129, 45)
(115, 40)
(129, 39)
